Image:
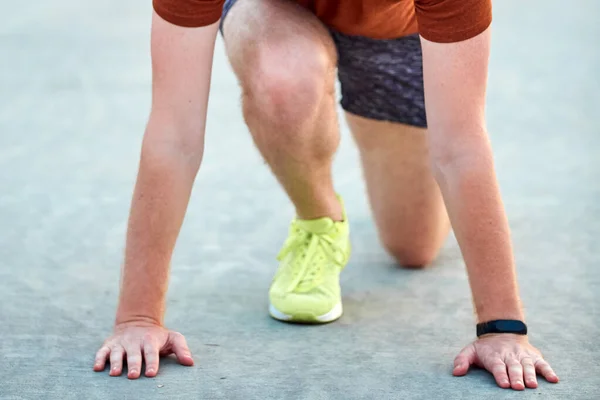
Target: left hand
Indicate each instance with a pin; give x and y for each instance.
(510, 358)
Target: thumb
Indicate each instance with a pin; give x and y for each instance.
(463, 360)
(181, 349)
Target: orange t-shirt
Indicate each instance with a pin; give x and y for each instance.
(441, 21)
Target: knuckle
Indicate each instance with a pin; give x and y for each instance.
(526, 360)
(540, 363)
(498, 364)
(176, 335)
(150, 350)
(148, 337)
(515, 368)
(115, 348)
(467, 349)
(514, 363)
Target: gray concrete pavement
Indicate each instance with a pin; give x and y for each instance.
(74, 96)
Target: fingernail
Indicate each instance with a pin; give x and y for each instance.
(150, 371)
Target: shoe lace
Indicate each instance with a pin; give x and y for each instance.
(306, 247)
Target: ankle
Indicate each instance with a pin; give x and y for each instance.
(329, 207)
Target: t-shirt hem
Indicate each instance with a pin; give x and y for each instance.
(208, 18)
(454, 37)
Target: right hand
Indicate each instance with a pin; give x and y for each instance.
(137, 340)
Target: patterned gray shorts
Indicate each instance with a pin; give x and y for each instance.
(381, 79)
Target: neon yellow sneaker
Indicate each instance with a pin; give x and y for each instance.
(306, 288)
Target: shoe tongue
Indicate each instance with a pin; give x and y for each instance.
(316, 226)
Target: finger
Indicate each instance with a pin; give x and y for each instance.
(544, 369)
(151, 357)
(181, 349)
(515, 374)
(498, 369)
(134, 361)
(101, 357)
(529, 373)
(116, 360)
(464, 360)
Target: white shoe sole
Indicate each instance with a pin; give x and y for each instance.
(332, 315)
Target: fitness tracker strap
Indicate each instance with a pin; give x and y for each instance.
(502, 326)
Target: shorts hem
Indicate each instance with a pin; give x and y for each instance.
(383, 117)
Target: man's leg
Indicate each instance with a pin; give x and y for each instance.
(406, 201)
(285, 61)
(382, 92)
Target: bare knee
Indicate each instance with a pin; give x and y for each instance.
(412, 255)
(286, 87)
(285, 61)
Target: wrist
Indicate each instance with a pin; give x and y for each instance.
(502, 326)
(128, 319)
(148, 312)
(140, 304)
(505, 315)
(512, 336)
(509, 309)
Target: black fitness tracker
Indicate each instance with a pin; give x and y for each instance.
(502, 326)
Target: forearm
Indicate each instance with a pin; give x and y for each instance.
(470, 189)
(171, 155)
(160, 199)
(455, 78)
